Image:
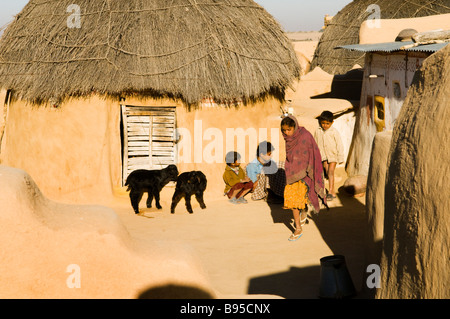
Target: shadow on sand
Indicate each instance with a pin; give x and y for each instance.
(297, 283)
(341, 227)
(345, 86)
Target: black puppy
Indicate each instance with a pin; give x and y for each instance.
(188, 184)
(150, 181)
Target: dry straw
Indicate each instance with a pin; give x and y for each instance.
(186, 49)
(344, 29)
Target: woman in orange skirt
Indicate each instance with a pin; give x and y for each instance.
(304, 173)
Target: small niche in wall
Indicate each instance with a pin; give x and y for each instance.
(397, 90)
(379, 113)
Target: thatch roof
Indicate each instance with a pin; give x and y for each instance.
(224, 49)
(344, 29)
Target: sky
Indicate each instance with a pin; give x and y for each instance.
(293, 15)
(302, 15)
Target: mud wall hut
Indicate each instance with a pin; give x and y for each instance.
(106, 87)
(388, 73)
(344, 29)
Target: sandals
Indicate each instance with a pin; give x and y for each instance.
(234, 201)
(330, 197)
(304, 221)
(242, 200)
(295, 237)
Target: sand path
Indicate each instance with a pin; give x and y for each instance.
(244, 248)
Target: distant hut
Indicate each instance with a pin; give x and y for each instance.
(344, 29)
(95, 90)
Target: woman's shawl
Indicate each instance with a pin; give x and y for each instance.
(304, 162)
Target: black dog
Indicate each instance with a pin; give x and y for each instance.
(150, 181)
(188, 184)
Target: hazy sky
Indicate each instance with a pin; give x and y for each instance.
(293, 15)
(302, 15)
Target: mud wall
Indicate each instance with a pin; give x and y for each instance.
(73, 151)
(415, 259)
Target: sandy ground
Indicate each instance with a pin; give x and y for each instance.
(244, 248)
(304, 36)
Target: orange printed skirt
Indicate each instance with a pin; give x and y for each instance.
(296, 195)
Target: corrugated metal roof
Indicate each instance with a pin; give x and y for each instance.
(429, 47)
(393, 46)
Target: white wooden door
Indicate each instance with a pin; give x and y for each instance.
(149, 138)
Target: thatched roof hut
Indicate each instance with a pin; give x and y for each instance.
(138, 84)
(181, 49)
(345, 25)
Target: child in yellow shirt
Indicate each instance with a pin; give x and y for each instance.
(237, 184)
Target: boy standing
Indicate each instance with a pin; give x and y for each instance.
(331, 148)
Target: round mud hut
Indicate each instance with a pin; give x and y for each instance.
(97, 89)
(344, 27)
